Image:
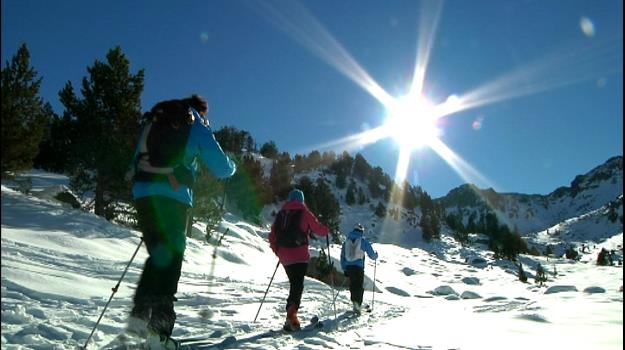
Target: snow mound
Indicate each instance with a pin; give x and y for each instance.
(444, 290)
(560, 289)
(594, 289)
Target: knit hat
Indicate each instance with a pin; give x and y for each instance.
(359, 227)
(296, 195)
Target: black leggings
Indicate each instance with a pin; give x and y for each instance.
(356, 276)
(296, 274)
(163, 222)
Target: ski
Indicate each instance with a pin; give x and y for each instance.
(313, 324)
(125, 341)
(366, 309)
(215, 336)
(208, 343)
(199, 342)
(194, 343)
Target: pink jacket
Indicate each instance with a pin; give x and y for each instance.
(308, 222)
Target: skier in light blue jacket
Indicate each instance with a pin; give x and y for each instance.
(175, 138)
(353, 263)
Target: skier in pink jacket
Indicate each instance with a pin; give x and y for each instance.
(289, 241)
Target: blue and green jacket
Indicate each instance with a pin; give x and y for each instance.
(201, 145)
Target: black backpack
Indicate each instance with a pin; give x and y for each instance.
(170, 124)
(287, 231)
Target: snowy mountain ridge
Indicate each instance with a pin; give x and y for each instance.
(532, 213)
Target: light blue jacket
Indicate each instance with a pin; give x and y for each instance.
(365, 246)
(200, 144)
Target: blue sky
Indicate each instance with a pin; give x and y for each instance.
(545, 77)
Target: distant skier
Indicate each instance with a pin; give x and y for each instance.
(353, 263)
(289, 241)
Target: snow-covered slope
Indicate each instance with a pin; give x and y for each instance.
(59, 265)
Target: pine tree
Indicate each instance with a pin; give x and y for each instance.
(106, 128)
(362, 199)
(380, 210)
(350, 196)
(24, 114)
(379, 184)
(328, 207)
(298, 163)
(328, 158)
(410, 197)
(313, 160)
(269, 150)
(471, 225)
(522, 275)
(341, 180)
(430, 224)
(248, 189)
(612, 214)
(55, 148)
(361, 167)
(280, 177)
(208, 197)
(540, 277)
(233, 140)
(342, 167)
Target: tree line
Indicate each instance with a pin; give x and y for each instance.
(93, 140)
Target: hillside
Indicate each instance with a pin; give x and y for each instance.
(59, 265)
(593, 201)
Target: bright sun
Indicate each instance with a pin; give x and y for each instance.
(411, 122)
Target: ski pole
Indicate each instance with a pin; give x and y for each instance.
(222, 236)
(114, 291)
(271, 280)
(331, 271)
(338, 291)
(221, 212)
(375, 265)
(223, 199)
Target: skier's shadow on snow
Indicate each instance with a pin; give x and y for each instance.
(232, 342)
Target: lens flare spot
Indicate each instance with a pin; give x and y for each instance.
(601, 82)
(588, 28)
(204, 37)
(453, 100)
(477, 123)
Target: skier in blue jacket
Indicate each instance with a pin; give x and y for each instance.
(163, 171)
(353, 263)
